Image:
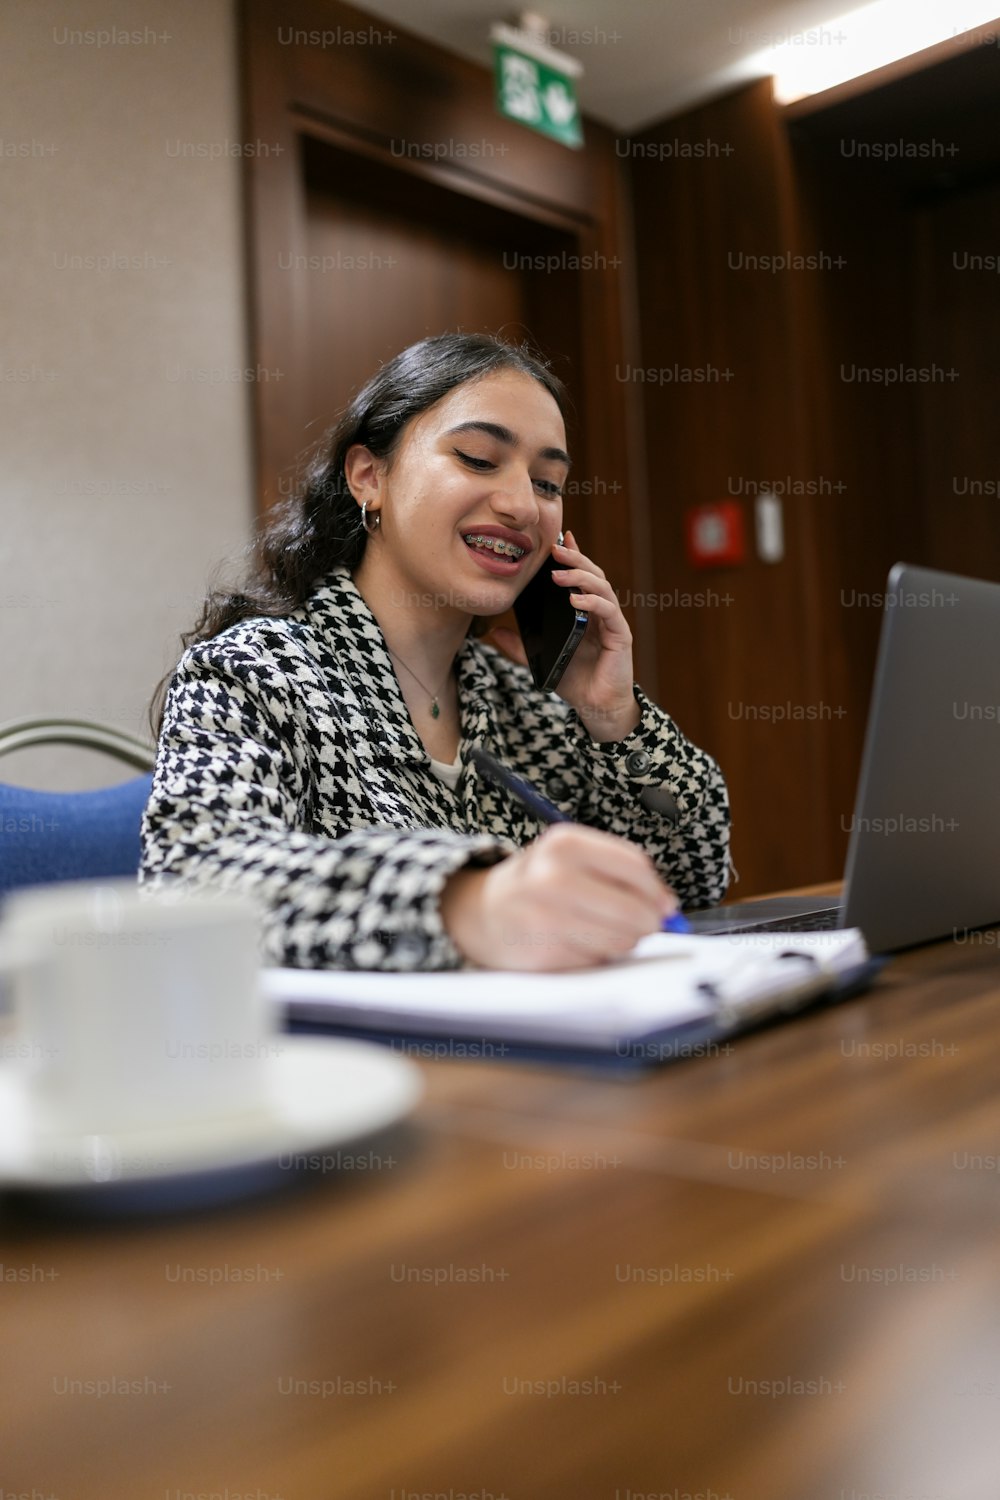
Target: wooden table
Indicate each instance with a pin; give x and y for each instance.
(769, 1272)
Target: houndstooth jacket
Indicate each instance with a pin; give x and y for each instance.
(288, 768)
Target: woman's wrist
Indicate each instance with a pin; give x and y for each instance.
(607, 725)
(461, 907)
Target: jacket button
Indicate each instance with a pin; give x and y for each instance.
(637, 763)
(409, 947)
(558, 788)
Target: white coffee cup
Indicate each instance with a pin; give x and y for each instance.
(134, 1012)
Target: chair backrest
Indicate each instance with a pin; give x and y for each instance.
(51, 836)
(24, 734)
(47, 837)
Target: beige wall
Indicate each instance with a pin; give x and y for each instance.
(123, 477)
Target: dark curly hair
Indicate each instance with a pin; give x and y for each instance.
(320, 528)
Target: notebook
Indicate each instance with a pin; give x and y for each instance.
(669, 986)
(922, 859)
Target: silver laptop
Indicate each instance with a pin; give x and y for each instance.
(924, 855)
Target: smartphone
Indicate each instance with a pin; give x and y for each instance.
(551, 627)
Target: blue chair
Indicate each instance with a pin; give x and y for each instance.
(47, 837)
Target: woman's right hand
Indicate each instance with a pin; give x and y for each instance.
(573, 898)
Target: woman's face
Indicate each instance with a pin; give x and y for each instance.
(488, 461)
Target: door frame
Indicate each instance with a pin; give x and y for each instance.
(359, 99)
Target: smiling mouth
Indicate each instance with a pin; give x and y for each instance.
(493, 544)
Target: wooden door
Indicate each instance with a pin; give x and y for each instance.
(390, 201)
(389, 259)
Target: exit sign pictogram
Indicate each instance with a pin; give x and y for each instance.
(534, 86)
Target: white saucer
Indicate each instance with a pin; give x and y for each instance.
(323, 1095)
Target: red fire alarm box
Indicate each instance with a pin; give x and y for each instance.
(714, 534)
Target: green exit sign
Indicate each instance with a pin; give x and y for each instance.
(534, 86)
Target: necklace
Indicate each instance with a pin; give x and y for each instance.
(435, 705)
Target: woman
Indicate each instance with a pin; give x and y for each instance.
(311, 744)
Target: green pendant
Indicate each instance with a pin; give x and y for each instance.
(435, 709)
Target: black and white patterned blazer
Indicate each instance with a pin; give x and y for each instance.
(288, 768)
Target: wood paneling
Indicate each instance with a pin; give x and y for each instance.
(382, 274)
(957, 314)
(856, 318)
(392, 150)
(899, 306)
(414, 97)
(881, 189)
(724, 411)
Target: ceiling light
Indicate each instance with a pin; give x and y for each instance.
(847, 46)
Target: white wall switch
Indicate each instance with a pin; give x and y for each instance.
(770, 529)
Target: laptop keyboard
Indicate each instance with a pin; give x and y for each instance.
(814, 921)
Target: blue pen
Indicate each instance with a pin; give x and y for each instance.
(532, 799)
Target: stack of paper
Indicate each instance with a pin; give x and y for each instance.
(666, 984)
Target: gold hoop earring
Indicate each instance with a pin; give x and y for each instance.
(371, 530)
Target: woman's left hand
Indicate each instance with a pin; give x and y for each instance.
(598, 681)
